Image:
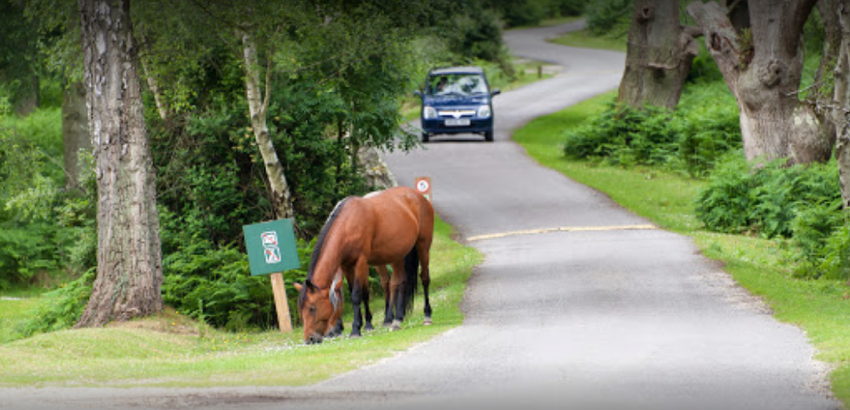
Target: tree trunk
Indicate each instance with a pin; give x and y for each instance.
(28, 99)
(821, 94)
(763, 71)
(841, 105)
(375, 170)
(659, 56)
(258, 105)
(75, 132)
(129, 259)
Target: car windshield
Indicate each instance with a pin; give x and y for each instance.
(458, 84)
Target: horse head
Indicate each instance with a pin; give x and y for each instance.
(319, 308)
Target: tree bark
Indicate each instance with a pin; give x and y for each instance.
(129, 259)
(75, 132)
(841, 106)
(659, 55)
(763, 70)
(375, 170)
(257, 106)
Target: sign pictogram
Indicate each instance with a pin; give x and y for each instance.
(272, 254)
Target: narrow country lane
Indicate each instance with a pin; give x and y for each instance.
(608, 318)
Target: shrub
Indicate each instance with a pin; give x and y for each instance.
(764, 200)
(215, 285)
(611, 17)
(689, 140)
(62, 307)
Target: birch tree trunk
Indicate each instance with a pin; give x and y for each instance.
(763, 71)
(129, 259)
(258, 105)
(659, 56)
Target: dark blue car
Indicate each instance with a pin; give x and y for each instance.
(457, 100)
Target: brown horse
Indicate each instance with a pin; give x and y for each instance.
(392, 227)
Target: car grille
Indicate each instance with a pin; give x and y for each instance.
(456, 113)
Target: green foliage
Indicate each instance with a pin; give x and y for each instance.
(689, 140)
(765, 200)
(609, 17)
(43, 226)
(215, 285)
(61, 307)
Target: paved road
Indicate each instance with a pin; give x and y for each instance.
(597, 319)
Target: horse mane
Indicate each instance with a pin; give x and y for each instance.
(317, 250)
(320, 240)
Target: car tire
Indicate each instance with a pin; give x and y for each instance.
(488, 136)
(426, 137)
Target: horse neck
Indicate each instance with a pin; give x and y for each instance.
(330, 259)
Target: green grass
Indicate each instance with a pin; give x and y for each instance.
(172, 350)
(764, 267)
(13, 309)
(584, 39)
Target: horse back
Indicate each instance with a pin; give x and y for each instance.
(400, 217)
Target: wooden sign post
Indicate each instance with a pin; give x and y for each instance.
(271, 250)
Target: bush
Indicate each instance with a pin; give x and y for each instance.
(62, 307)
(609, 17)
(764, 200)
(215, 285)
(689, 140)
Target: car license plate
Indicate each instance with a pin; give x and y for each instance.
(457, 122)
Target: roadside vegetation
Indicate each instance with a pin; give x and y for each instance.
(780, 231)
(219, 326)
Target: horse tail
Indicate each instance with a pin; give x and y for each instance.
(411, 269)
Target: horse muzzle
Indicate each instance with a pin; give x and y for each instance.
(313, 339)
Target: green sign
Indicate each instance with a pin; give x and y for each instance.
(271, 247)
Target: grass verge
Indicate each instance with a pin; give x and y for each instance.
(173, 351)
(764, 267)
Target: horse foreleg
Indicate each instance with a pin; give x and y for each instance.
(358, 291)
(385, 285)
(397, 289)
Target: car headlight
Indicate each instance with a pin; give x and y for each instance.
(484, 111)
(429, 112)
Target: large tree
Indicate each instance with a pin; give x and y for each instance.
(659, 56)
(762, 66)
(129, 260)
(840, 107)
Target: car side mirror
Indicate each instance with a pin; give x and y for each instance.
(495, 92)
(418, 93)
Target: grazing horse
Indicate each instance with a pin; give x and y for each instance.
(393, 227)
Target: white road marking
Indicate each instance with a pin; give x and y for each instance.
(562, 229)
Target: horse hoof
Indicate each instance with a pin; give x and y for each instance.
(427, 321)
(354, 335)
(387, 324)
(368, 327)
(395, 326)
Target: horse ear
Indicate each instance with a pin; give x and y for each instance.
(297, 286)
(310, 286)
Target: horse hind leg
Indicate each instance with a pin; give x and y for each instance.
(368, 325)
(423, 248)
(385, 285)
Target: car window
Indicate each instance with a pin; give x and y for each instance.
(458, 84)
